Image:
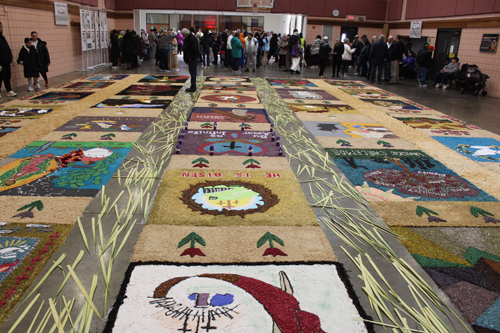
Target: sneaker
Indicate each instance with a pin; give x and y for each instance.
(423, 86)
(346, 74)
(161, 70)
(11, 94)
(297, 72)
(202, 66)
(38, 86)
(446, 86)
(30, 89)
(438, 85)
(355, 74)
(168, 70)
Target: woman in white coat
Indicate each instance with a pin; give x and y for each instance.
(347, 56)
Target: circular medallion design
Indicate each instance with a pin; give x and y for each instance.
(229, 198)
(229, 98)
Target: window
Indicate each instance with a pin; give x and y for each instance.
(157, 19)
(252, 21)
(205, 22)
(229, 22)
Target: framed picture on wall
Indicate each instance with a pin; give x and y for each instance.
(489, 43)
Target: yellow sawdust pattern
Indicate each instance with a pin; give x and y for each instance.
(417, 244)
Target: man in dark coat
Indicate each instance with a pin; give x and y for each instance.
(378, 54)
(5, 61)
(43, 56)
(324, 54)
(28, 57)
(191, 52)
(397, 48)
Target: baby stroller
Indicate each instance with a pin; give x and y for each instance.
(470, 78)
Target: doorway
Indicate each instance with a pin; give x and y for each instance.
(348, 32)
(447, 44)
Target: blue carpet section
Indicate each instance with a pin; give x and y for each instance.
(491, 317)
(477, 149)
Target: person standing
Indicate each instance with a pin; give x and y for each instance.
(363, 58)
(273, 48)
(347, 57)
(206, 43)
(283, 45)
(315, 51)
(265, 49)
(152, 44)
(296, 54)
(5, 61)
(323, 55)
(43, 56)
(128, 49)
(236, 48)
(388, 60)
(164, 47)
(28, 57)
(180, 42)
(191, 55)
(228, 63)
(378, 54)
(338, 51)
(424, 60)
(251, 52)
(115, 48)
(172, 60)
(398, 48)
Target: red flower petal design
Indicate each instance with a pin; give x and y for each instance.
(274, 252)
(193, 251)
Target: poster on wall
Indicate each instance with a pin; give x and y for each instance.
(416, 29)
(105, 29)
(489, 43)
(83, 30)
(61, 13)
(90, 29)
(97, 30)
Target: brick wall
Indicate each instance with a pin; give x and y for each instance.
(487, 62)
(63, 42)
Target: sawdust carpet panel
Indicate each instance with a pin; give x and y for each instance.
(455, 242)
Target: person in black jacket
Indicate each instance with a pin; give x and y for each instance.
(5, 61)
(378, 54)
(28, 57)
(191, 52)
(43, 56)
(128, 49)
(115, 48)
(324, 54)
(338, 51)
(364, 56)
(398, 48)
(424, 60)
(206, 43)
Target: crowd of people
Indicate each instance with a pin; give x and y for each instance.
(34, 57)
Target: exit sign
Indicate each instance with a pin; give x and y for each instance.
(350, 18)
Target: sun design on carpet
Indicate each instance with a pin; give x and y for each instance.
(229, 198)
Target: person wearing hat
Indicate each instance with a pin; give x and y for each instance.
(424, 60)
(323, 55)
(5, 61)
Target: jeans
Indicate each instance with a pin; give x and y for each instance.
(423, 74)
(358, 65)
(364, 68)
(443, 77)
(193, 66)
(164, 59)
(5, 76)
(322, 66)
(387, 70)
(228, 62)
(314, 59)
(236, 64)
(206, 57)
(377, 64)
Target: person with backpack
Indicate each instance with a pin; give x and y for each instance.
(323, 55)
(296, 54)
(424, 60)
(28, 57)
(315, 51)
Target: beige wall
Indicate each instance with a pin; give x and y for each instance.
(124, 24)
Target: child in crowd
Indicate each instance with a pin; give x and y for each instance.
(28, 57)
